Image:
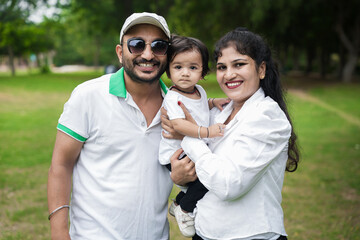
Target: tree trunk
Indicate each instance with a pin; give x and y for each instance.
(310, 54)
(349, 67)
(38, 60)
(296, 61)
(50, 58)
(11, 60)
(324, 61)
(351, 46)
(340, 68)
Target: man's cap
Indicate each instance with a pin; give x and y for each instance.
(145, 18)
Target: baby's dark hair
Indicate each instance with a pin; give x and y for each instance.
(253, 45)
(180, 44)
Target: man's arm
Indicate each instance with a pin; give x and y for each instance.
(65, 154)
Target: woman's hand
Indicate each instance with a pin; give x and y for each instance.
(183, 170)
(187, 114)
(166, 123)
(219, 102)
(168, 127)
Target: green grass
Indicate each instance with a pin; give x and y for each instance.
(321, 200)
(342, 96)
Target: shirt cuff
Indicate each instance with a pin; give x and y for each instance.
(194, 148)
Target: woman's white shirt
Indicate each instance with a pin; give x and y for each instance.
(244, 172)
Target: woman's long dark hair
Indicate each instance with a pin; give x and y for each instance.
(253, 45)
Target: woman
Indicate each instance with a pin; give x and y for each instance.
(244, 169)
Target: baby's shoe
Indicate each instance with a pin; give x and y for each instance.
(172, 208)
(185, 221)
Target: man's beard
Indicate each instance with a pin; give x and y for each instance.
(129, 69)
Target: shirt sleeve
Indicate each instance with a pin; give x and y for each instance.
(174, 111)
(74, 119)
(254, 145)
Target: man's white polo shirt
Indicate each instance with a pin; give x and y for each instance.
(120, 191)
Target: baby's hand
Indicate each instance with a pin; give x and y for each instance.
(220, 102)
(216, 130)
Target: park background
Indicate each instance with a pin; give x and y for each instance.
(316, 43)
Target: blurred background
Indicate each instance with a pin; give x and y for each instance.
(49, 47)
(319, 36)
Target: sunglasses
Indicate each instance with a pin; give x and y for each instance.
(137, 46)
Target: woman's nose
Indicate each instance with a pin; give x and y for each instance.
(229, 74)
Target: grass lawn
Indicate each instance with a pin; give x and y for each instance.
(321, 200)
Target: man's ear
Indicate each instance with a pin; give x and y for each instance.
(119, 52)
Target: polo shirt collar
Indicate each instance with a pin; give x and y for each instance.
(117, 84)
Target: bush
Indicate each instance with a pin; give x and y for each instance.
(45, 69)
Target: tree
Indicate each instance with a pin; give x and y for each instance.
(348, 30)
(13, 30)
(10, 40)
(91, 29)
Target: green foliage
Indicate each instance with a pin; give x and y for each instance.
(45, 69)
(18, 36)
(86, 32)
(16, 32)
(11, 10)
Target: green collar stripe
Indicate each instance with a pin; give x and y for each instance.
(117, 84)
(163, 86)
(71, 133)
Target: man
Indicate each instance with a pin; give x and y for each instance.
(107, 144)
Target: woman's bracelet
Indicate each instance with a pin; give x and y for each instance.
(57, 209)
(199, 132)
(208, 132)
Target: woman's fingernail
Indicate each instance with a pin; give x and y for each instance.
(179, 103)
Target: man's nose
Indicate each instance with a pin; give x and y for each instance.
(147, 53)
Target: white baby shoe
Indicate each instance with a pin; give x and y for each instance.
(185, 221)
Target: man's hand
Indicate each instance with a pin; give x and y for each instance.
(182, 171)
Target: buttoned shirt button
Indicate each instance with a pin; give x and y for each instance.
(143, 124)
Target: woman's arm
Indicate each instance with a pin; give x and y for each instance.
(244, 157)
